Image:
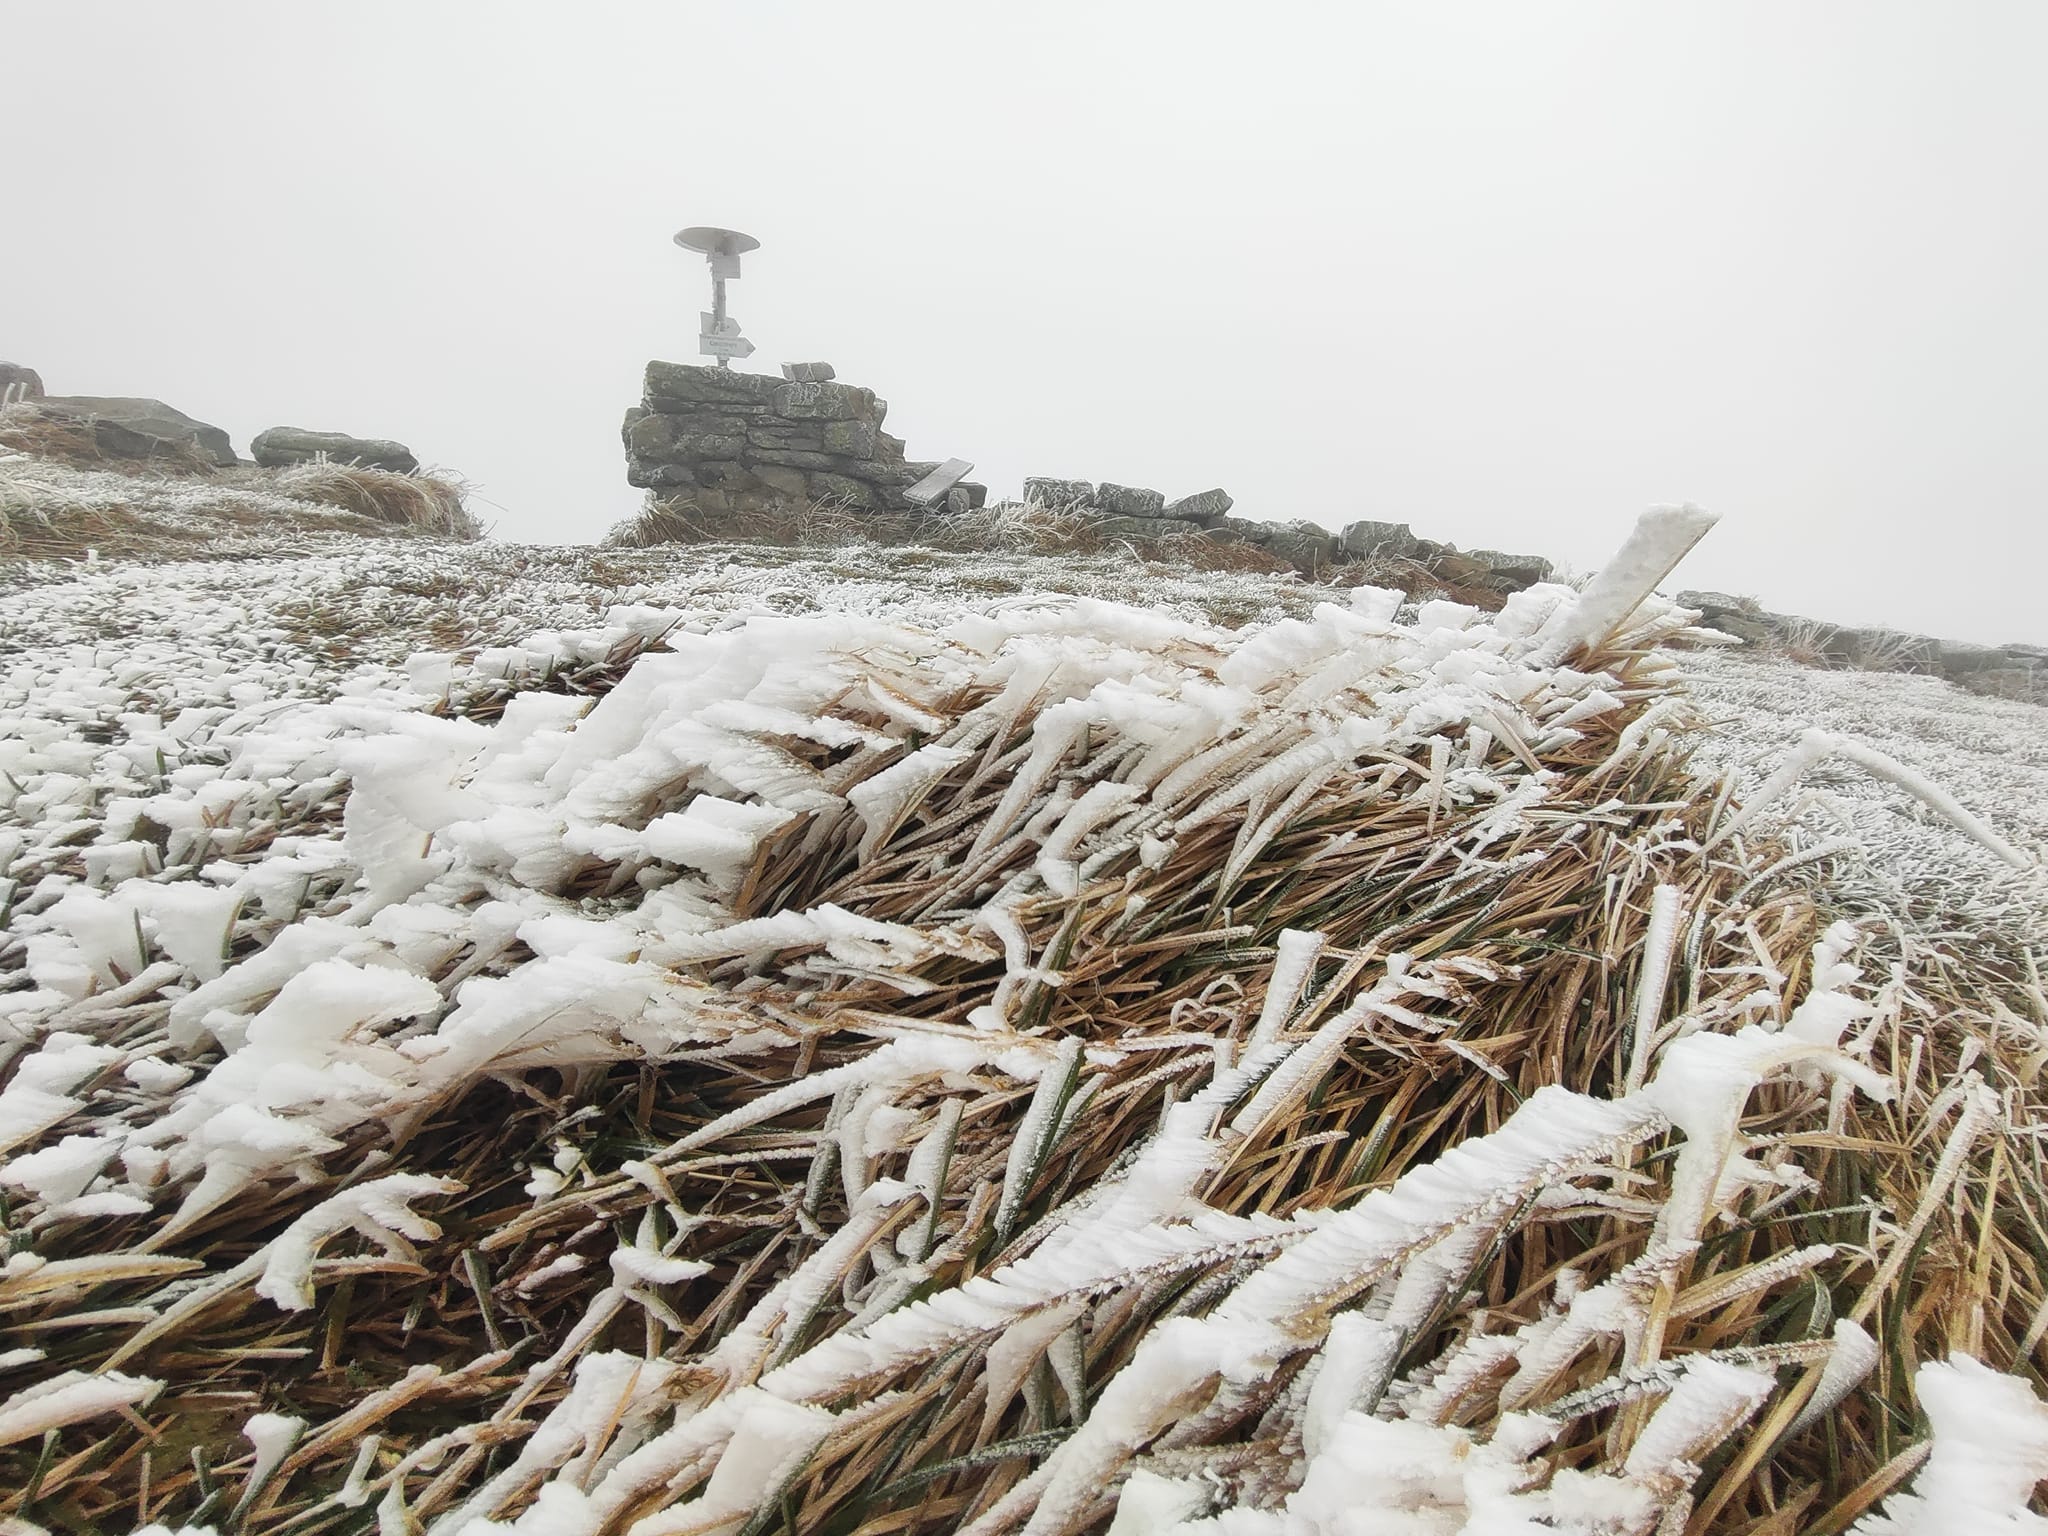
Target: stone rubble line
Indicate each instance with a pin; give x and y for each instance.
(134, 427)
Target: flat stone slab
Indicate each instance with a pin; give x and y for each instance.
(1047, 491)
(1388, 541)
(935, 486)
(1129, 500)
(1516, 571)
(131, 428)
(707, 386)
(827, 402)
(808, 373)
(1202, 507)
(278, 446)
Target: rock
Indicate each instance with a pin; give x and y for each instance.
(1718, 602)
(650, 476)
(1235, 530)
(827, 402)
(798, 458)
(1129, 500)
(278, 446)
(958, 501)
(976, 494)
(723, 475)
(1460, 570)
(842, 488)
(1383, 541)
(878, 472)
(808, 373)
(131, 428)
(700, 387)
(1308, 546)
(19, 383)
(855, 439)
(685, 439)
(1046, 491)
(1146, 528)
(764, 432)
(793, 483)
(635, 414)
(1202, 507)
(1512, 573)
(888, 447)
(1754, 627)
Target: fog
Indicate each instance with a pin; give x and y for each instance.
(1505, 272)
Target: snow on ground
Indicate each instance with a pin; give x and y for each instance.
(1990, 754)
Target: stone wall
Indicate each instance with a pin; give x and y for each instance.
(732, 443)
(1136, 512)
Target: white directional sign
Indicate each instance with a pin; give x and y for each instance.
(719, 336)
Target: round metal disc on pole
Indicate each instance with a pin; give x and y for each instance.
(713, 241)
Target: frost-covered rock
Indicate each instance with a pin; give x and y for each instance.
(132, 428)
(276, 446)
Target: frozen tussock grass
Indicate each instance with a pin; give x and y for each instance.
(1051, 1067)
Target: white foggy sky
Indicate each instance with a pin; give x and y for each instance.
(1506, 272)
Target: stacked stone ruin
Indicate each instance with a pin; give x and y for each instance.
(733, 445)
(1138, 513)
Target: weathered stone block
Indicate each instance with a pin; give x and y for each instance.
(1384, 541)
(1202, 507)
(724, 476)
(1462, 570)
(1511, 573)
(18, 382)
(827, 402)
(792, 483)
(958, 501)
(807, 373)
(796, 458)
(767, 432)
(649, 476)
(708, 386)
(1048, 491)
(855, 439)
(131, 428)
(1129, 500)
(1235, 530)
(635, 414)
(1305, 545)
(275, 447)
(877, 472)
(977, 495)
(681, 440)
(843, 488)
(888, 447)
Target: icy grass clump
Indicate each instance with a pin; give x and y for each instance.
(271, 924)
